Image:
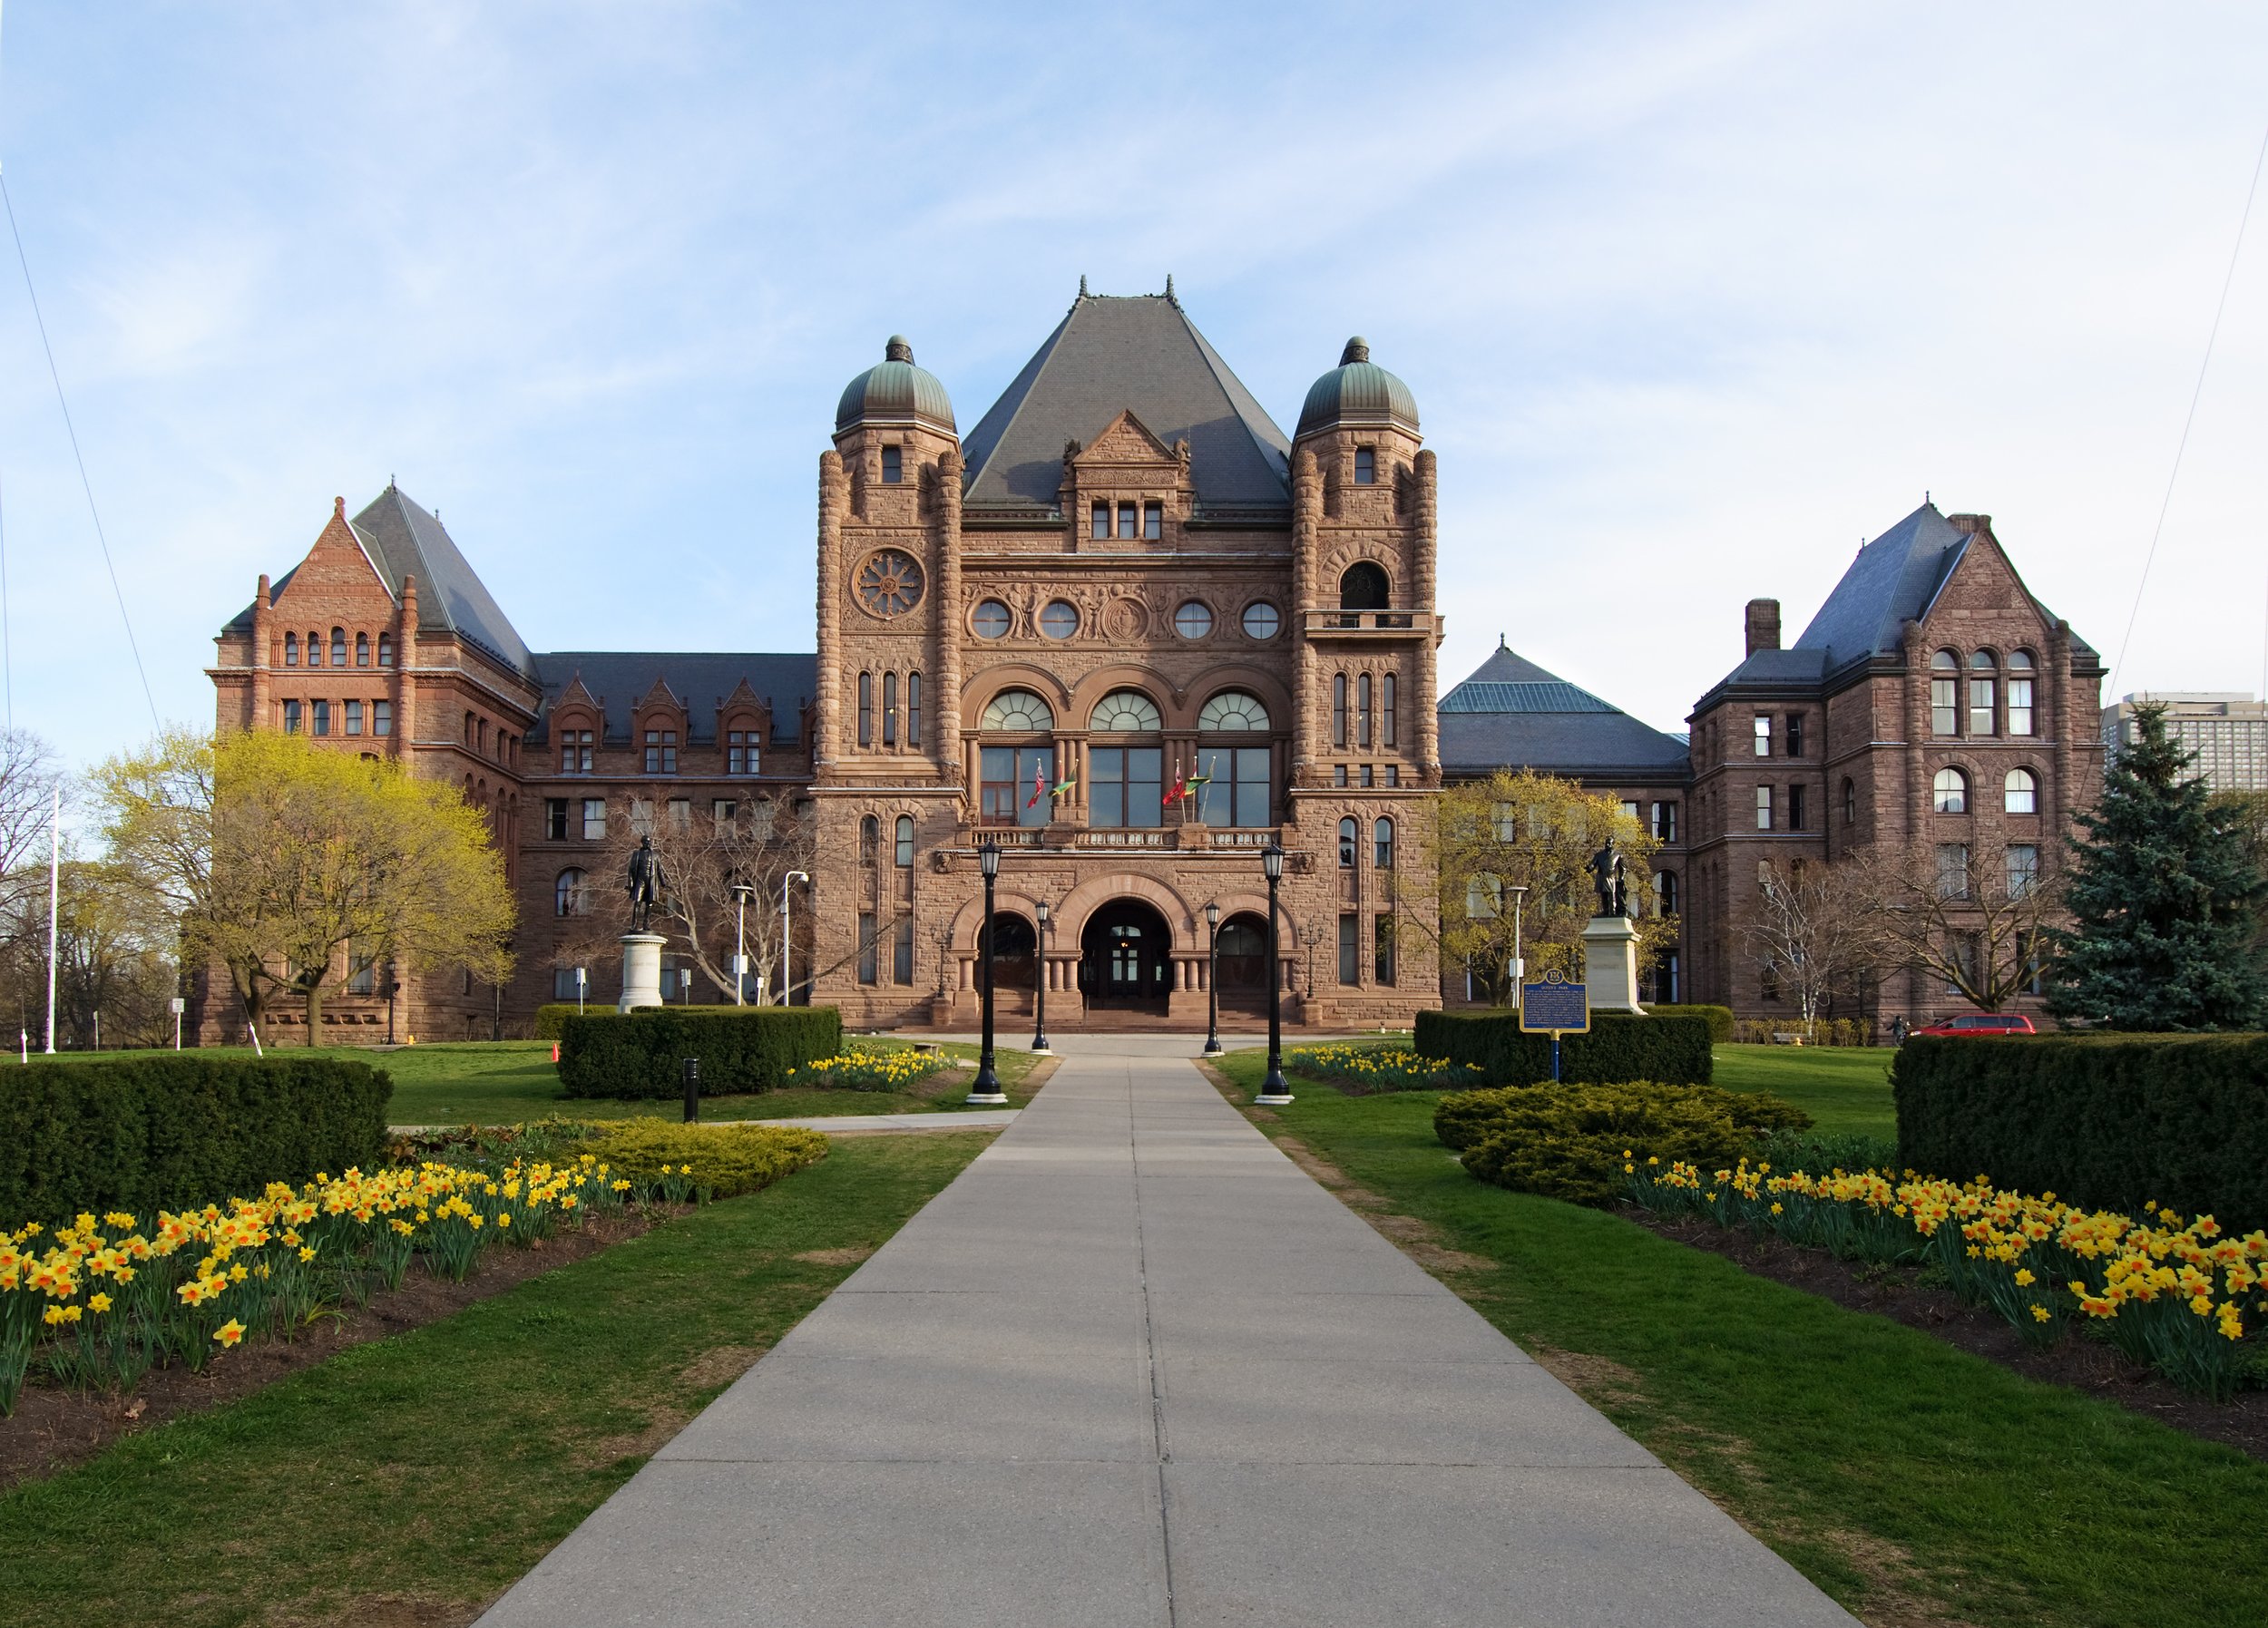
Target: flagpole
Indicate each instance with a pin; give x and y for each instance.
(55, 896)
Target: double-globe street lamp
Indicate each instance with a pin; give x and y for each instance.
(1274, 1090)
(985, 1088)
(1212, 979)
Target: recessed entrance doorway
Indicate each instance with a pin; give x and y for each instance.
(1241, 961)
(1126, 960)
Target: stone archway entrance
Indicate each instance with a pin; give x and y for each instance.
(1126, 962)
(1017, 962)
(1241, 960)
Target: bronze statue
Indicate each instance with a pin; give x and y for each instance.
(645, 885)
(1606, 877)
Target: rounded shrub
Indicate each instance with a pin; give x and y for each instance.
(724, 1159)
(1572, 1142)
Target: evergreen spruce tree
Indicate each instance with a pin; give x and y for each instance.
(2162, 897)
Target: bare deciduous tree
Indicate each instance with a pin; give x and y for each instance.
(1816, 930)
(1974, 915)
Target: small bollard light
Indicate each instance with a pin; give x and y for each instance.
(692, 1090)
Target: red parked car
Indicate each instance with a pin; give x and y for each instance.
(1982, 1023)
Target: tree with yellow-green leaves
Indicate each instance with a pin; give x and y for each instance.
(1512, 831)
(293, 866)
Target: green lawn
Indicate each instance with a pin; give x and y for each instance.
(1915, 1483)
(412, 1478)
(1843, 1088)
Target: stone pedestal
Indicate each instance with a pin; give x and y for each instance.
(1610, 963)
(642, 970)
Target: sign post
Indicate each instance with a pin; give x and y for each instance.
(1556, 1008)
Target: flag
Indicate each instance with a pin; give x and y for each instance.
(1038, 785)
(1178, 792)
(1062, 788)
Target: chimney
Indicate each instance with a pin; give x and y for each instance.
(1764, 625)
(1971, 524)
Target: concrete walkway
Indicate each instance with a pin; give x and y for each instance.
(1134, 1367)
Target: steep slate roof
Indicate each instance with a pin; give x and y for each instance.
(620, 678)
(1513, 713)
(1142, 354)
(402, 540)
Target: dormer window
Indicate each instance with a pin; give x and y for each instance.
(574, 751)
(661, 751)
(893, 466)
(743, 752)
(1102, 522)
(1366, 466)
(1153, 521)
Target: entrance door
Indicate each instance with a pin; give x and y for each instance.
(1126, 959)
(1241, 959)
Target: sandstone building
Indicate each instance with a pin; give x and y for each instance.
(1132, 632)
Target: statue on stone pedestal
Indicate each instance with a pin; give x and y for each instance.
(1606, 877)
(645, 885)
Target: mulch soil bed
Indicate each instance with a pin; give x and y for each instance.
(1895, 1292)
(53, 1428)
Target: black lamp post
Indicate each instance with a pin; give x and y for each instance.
(1212, 979)
(1274, 1090)
(985, 1087)
(1039, 986)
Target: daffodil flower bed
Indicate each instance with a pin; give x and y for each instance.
(1363, 1070)
(867, 1070)
(2172, 1296)
(102, 1300)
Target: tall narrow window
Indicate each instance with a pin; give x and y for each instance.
(913, 709)
(315, 648)
(555, 819)
(869, 842)
(1850, 803)
(1381, 845)
(381, 717)
(1764, 736)
(902, 953)
(1126, 521)
(1366, 466)
(866, 709)
(322, 717)
(1349, 837)
(903, 856)
(291, 717)
(567, 893)
(893, 466)
(2020, 693)
(1944, 693)
(1795, 808)
(1350, 950)
(1953, 870)
(338, 646)
(1362, 711)
(2019, 792)
(1386, 711)
(1382, 949)
(1666, 822)
(867, 971)
(1795, 734)
(386, 650)
(1102, 521)
(1338, 711)
(362, 650)
(889, 709)
(1665, 893)
(2023, 868)
(353, 718)
(1983, 688)
(594, 819)
(291, 649)
(1153, 521)
(1763, 808)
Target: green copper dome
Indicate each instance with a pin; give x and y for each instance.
(894, 391)
(1357, 391)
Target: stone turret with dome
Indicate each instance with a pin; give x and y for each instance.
(1357, 392)
(895, 392)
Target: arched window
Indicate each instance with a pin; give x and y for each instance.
(1363, 586)
(1349, 837)
(1944, 693)
(1665, 893)
(1018, 711)
(1386, 712)
(2019, 792)
(1983, 693)
(386, 650)
(889, 709)
(1363, 713)
(1338, 711)
(913, 709)
(1231, 710)
(1952, 791)
(2020, 692)
(1850, 803)
(291, 649)
(904, 855)
(869, 841)
(866, 709)
(338, 646)
(1381, 845)
(568, 897)
(362, 650)
(315, 648)
(1125, 711)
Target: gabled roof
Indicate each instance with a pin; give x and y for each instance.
(1143, 354)
(623, 679)
(402, 540)
(1513, 713)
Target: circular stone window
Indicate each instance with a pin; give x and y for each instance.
(1261, 620)
(992, 619)
(1194, 620)
(890, 583)
(1059, 620)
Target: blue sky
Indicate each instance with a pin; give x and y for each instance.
(1692, 299)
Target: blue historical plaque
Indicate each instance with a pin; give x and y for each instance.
(1554, 1008)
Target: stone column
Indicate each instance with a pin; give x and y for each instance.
(833, 500)
(946, 613)
(642, 970)
(1429, 752)
(1610, 964)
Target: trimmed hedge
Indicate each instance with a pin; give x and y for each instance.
(1718, 1017)
(1619, 1047)
(2104, 1121)
(1569, 1141)
(551, 1018)
(168, 1130)
(741, 1048)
